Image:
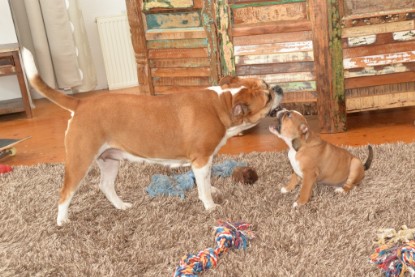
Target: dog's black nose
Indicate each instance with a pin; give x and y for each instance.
(278, 90)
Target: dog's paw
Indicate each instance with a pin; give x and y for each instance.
(124, 206)
(284, 190)
(339, 190)
(295, 205)
(61, 221)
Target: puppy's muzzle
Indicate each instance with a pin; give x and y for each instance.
(279, 94)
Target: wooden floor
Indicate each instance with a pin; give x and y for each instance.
(49, 122)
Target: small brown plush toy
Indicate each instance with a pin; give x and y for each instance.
(245, 175)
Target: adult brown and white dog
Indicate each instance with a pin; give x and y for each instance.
(314, 160)
(175, 130)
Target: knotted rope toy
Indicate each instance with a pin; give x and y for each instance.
(227, 236)
(396, 253)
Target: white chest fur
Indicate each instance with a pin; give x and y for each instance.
(294, 163)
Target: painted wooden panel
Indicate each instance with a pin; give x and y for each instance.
(237, 4)
(404, 36)
(273, 38)
(385, 17)
(261, 69)
(180, 72)
(381, 90)
(379, 80)
(381, 70)
(377, 60)
(173, 20)
(299, 97)
(281, 27)
(284, 78)
(187, 62)
(378, 49)
(208, 19)
(283, 47)
(352, 7)
(258, 14)
(275, 58)
(171, 4)
(367, 103)
(362, 40)
(177, 53)
(177, 33)
(378, 29)
(181, 81)
(309, 86)
(177, 43)
(225, 47)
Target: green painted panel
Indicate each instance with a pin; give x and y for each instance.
(177, 43)
(173, 20)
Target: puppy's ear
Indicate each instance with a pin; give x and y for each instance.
(227, 80)
(304, 130)
(296, 144)
(240, 110)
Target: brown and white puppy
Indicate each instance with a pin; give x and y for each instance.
(314, 160)
(185, 129)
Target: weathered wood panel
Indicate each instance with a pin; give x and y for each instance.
(285, 78)
(225, 46)
(258, 14)
(404, 36)
(187, 62)
(177, 43)
(353, 7)
(378, 29)
(170, 4)
(275, 58)
(272, 28)
(173, 20)
(308, 86)
(373, 19)
(262, 69)
(299, 97)
(180, 72)
(274, 48)
(208, 15)
(367, 103)
(378, 60)
(379, 70)
(178, 33)
(379, 80)
(177, 53)
(272, 38)
(381, 90)
(181, 81)
(378, 49)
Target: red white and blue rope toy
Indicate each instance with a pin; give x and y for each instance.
(227, 236)
(396, 254)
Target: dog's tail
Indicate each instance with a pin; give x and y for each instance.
(369, 158)
(67, 102)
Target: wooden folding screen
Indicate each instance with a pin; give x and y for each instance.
(297, 44)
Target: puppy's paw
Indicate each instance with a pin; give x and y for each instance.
(284, 190)
(212, 208)
(295, 205)
(340, 190)
(61, 221)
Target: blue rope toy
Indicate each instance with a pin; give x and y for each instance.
(178, 184)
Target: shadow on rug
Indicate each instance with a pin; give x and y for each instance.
(331, 236)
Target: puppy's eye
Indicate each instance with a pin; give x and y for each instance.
(289, 114)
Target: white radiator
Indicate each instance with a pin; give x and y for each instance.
(117, 50)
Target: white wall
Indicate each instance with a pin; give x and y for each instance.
(9, 87)
(91, 9)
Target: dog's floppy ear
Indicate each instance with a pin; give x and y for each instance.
(304, 130)
(227, 80)
(240, 110)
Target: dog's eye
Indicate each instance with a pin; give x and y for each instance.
(289, 114)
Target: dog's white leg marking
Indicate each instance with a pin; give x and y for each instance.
(63, 211)
(204, 187)
(109, 171)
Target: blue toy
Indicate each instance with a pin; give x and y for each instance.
(178, 184)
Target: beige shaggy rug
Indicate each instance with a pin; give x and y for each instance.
(331, 236)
